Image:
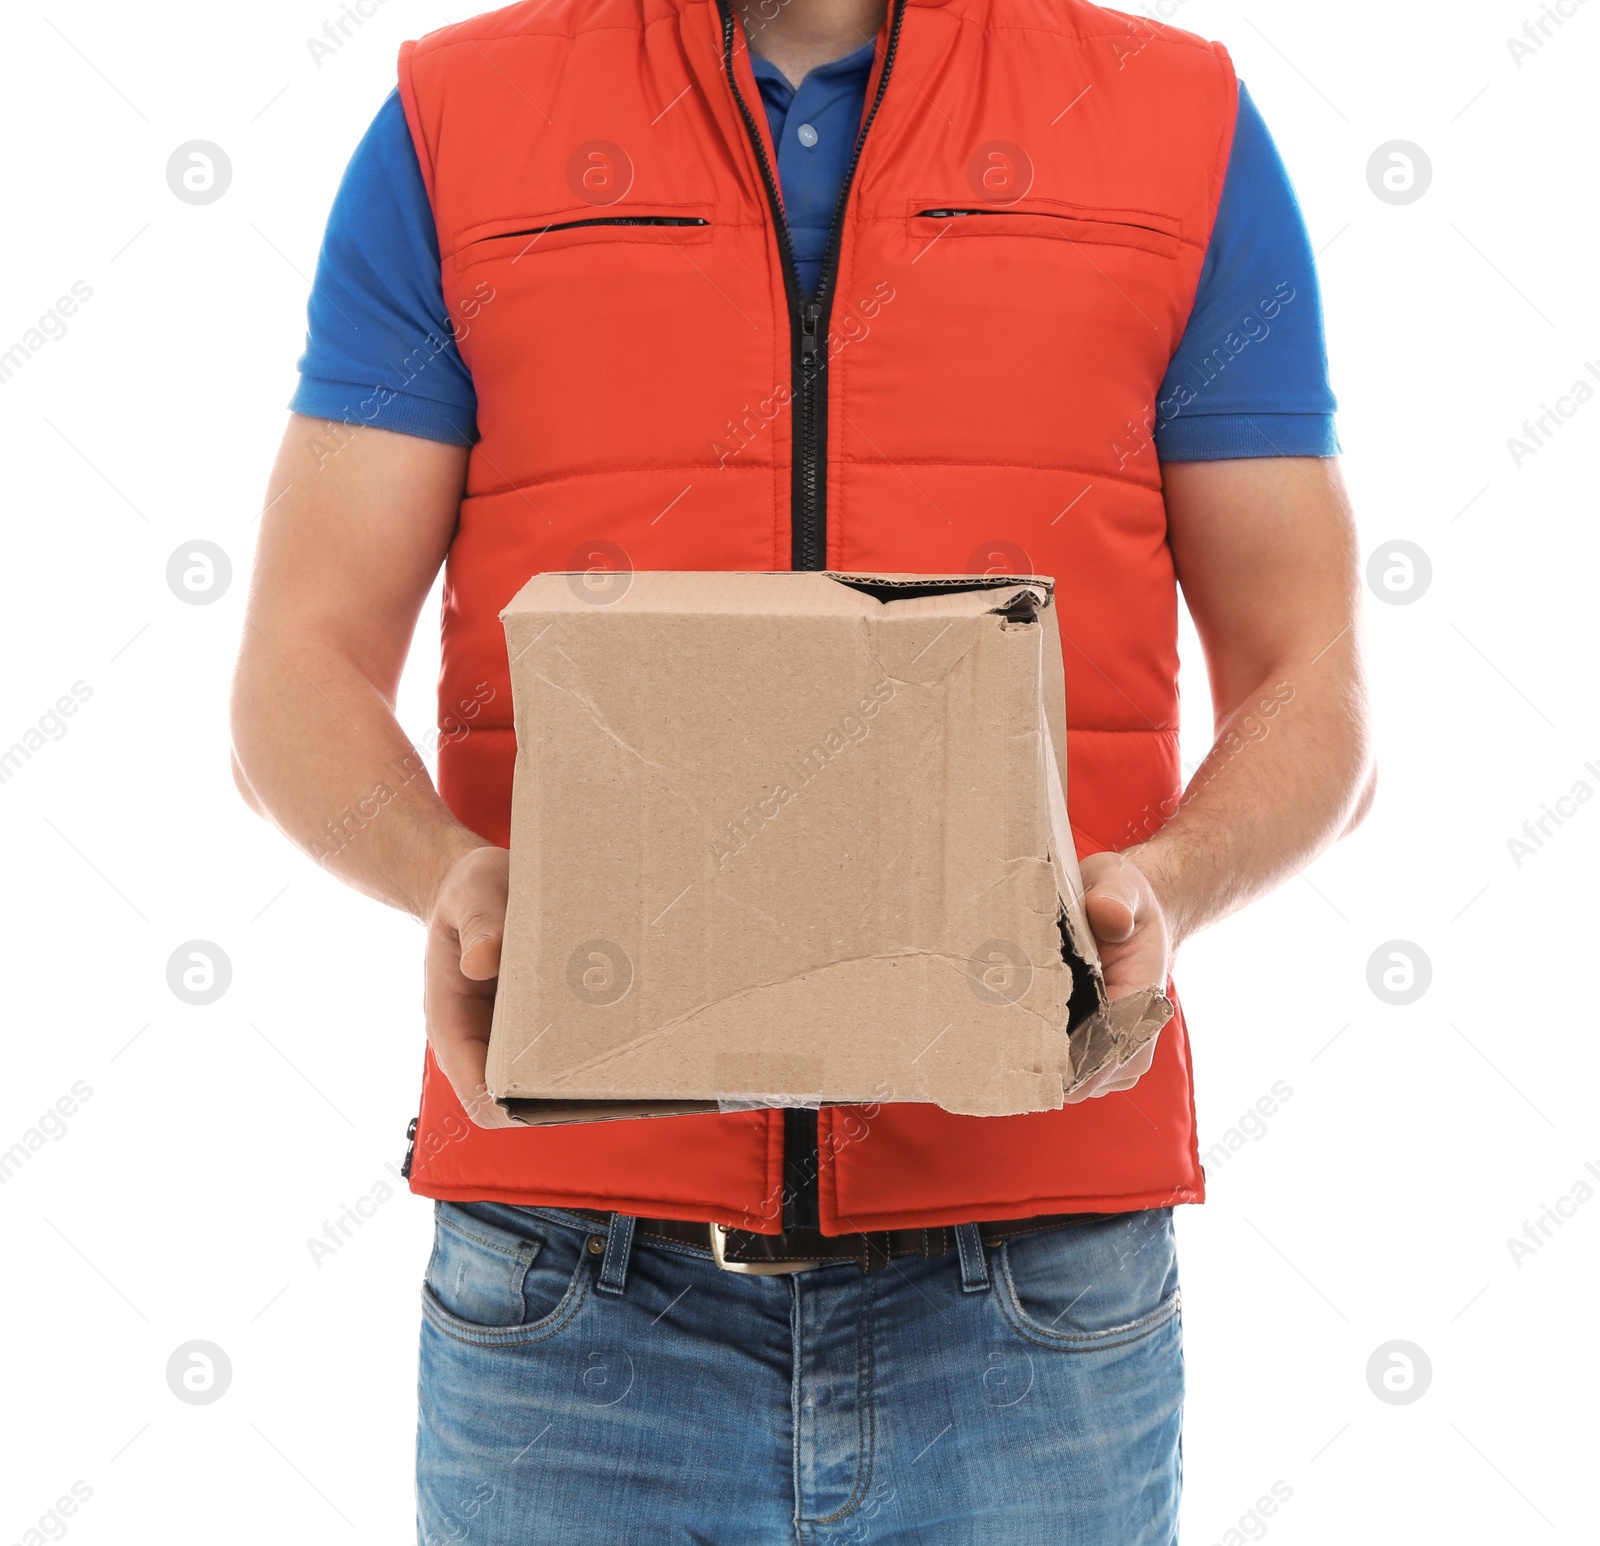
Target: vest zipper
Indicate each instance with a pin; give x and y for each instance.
(808, 520)
(808, 315)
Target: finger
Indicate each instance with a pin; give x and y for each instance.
(1132, 973)
(464, 1067)
(474, 910)
(1117, 1076)
(1090, 1089)
(483, 1110)
(1131, 1072)
(1094, 1085)
(1130, 965)
(1082, 1093)
(459, 1014)
(1143, 1060)
(1113, 910)
(1107, 1082)
(463, 1061)
(481, 936)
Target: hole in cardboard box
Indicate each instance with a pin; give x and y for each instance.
(1085, 998)
(908, 590)
(1023, 608)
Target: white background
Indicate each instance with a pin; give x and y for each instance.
(1376, 1203)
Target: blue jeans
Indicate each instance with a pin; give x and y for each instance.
(576, 1387)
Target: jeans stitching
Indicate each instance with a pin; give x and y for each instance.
(865, 1427)
(523, 1247)
(681, 1247)
(640, 1237)
(1044, 1229)
(461, 1330)
(1078, 1341)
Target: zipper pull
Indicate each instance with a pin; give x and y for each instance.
(810, 343)
(411, 1148)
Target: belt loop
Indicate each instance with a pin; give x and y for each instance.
(974, 1264)
(619, 1247)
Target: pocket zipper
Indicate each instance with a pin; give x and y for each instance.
(1042, 214)
(573, 225)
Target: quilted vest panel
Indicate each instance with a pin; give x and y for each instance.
(1018, 257)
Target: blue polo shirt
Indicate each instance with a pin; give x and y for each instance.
(1249, 377)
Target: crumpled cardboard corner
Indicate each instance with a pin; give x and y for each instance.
(1115, 1034)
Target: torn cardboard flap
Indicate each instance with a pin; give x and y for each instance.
(794, 838)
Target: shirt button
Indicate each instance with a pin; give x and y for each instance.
(808, 135)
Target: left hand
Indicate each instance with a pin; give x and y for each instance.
(1136, 948)
(1130, 927)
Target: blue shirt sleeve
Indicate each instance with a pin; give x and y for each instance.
(1250, 375)
(380, 347)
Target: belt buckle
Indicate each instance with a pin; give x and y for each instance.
(760, 1269)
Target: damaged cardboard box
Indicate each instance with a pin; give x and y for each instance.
(794, 838)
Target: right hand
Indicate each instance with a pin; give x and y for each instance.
(465, 930)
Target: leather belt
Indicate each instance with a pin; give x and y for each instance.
(798, 1250)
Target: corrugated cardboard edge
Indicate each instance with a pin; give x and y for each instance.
(558, 1113)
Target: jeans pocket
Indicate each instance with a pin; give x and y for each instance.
(1095, 1285)
(501, 1274)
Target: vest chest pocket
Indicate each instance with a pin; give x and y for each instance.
(522, 237)
(929, 220)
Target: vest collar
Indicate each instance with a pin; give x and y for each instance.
(683, 5)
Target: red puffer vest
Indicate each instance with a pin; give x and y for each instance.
(971, 389)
